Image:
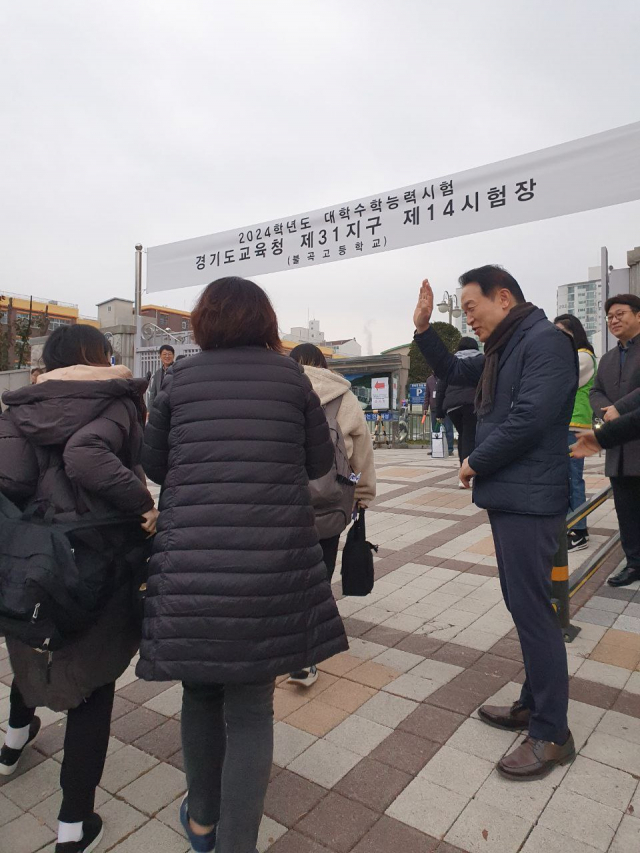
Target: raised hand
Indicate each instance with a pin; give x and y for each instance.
(424, 308)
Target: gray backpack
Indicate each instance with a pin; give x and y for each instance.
(333, 495)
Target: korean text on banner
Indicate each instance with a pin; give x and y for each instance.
(380, 393)
(596, 171)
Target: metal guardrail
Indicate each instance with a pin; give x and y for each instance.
(564, 587)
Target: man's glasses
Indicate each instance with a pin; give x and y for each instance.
(617, 316)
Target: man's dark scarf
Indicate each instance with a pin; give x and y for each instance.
(493, 348)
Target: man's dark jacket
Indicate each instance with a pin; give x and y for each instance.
(450, 396)
(156, 384)
(619, 387)
(624, 429)
(521, 456)
(238, 591)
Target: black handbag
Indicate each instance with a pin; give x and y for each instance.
(357, 560)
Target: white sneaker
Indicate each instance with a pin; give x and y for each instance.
(304, 677)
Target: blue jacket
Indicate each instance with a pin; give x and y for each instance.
(521, 456)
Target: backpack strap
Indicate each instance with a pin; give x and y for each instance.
(332, 408)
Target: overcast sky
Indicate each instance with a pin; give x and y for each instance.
(158, 120)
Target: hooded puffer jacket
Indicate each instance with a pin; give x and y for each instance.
(237, 591)
(73, 441)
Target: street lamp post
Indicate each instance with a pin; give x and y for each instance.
(450, 304)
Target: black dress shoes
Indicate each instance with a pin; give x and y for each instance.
(628, 575)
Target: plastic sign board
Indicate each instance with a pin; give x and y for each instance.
(417, 392)
(588, 173)
(385, 416)
(380, 393)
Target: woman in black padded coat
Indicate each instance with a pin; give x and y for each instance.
(238, 593)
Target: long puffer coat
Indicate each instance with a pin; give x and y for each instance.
(73, 442)
(237, 591)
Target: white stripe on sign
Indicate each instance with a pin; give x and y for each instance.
(596, 171)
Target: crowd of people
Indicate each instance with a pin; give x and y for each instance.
(245, 443)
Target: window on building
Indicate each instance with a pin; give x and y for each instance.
(56, 322)
(185, 325)
(163, 320)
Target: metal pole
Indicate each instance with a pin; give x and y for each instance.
(560, 587)
(137, 369)
(604, 292)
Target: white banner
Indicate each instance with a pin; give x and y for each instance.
(380, 393)
(596, 171)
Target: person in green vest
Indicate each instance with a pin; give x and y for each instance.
(581, 419)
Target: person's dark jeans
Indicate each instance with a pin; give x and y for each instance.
(525, 547)
(330, 553)
(626, 496)
(577, 490)
(85, 748)
(227, 741)
(464, 420)
(447, 426)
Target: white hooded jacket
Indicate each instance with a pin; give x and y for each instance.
(357, 438)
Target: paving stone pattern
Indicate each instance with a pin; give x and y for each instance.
(385, 752)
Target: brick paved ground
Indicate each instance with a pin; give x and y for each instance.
(385, 752)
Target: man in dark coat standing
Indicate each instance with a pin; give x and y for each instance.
(167, 357)
(430, 406)
(615, 392)
(526, 382)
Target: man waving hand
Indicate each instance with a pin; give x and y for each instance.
(526, 385)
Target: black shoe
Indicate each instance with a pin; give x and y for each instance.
(10, 758)
(628, 575)
(91, 837)
(577, 540)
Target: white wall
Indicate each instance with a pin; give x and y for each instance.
(351, 349)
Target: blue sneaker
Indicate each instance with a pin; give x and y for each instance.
(199, 843)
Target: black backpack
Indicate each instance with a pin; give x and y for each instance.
(357, 560)
(45, 599)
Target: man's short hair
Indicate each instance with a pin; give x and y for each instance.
(623, 299)
(491, 278)
(167, 347)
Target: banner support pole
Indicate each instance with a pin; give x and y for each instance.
(137, 308)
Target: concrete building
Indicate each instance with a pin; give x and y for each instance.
(347, 348)
(633, 262)
(43, 316)
(583, 299)
(309, 334)
(402, 349)
(48, 313)
(170, 319)
(115, 312)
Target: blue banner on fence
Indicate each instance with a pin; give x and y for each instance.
(386, 416)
